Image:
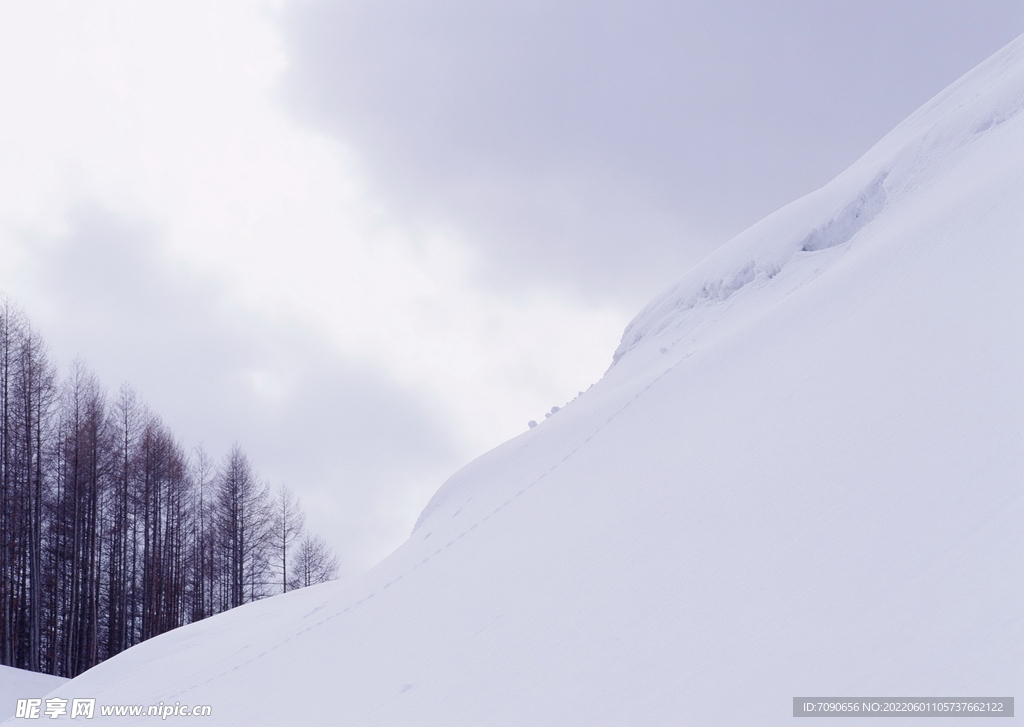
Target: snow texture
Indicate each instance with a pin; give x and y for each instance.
(801, 476)
(18, 684)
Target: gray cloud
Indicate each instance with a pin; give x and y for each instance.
(602, 147)
(609, 145)
(341, 434)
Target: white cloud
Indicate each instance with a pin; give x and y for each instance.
(164, 116)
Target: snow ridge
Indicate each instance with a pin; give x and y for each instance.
(839, 228)
(925, 148)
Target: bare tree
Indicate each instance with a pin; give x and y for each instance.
(81, 450)
(122, 558)
(203, 558)
(11, 329)
(288, 524)
(244, 525)
(314, 563)
(109, 534)
(35, 391)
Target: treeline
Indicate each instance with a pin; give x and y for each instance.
(110, 532)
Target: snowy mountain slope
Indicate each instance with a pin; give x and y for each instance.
(802, 476)
(18, 684)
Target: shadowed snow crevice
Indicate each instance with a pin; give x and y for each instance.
(851, 220)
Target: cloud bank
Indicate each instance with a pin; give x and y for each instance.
(369, 241)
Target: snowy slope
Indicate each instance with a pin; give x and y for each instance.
(18, 684)
(802, 476)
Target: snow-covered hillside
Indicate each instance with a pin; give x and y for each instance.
(18, 684)
(802, 476)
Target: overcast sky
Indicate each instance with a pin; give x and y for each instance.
(370, 239)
